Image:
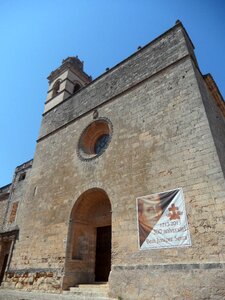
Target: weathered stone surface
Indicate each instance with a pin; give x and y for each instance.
(6, 294)
(145, 63)
(169, 282)
(4, 197)
(43, 281)
(163, 137)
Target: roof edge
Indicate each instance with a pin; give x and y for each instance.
(213, 88)
(178, 23)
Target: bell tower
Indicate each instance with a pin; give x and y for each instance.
(65, 81)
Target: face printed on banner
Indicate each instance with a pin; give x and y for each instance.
(150, 210)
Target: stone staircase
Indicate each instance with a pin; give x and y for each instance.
(94, 291)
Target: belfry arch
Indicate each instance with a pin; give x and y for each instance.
(88, 253)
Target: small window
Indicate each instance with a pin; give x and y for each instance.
(56, 88)
(76, 88)
(95, 139)
(22, 176)
(35, 191)
(12, 216)
(101, 143)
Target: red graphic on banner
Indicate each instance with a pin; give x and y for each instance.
(174, 213)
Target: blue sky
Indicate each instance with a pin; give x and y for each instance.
(36, 35)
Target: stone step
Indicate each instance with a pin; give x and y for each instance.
(86, 297)
(90, 291)
(88, 287)
(99, 285)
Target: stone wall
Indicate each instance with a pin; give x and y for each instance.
(11, 198)
(4, 196)
(17, 194)
(216, 117)
(44, 280)
(161, 140)
(174, 281)
(154, 57)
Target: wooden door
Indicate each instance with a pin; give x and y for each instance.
(2, 271)
(103, 253)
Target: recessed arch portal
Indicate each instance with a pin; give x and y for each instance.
(88, 254)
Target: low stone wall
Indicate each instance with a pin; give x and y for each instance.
(177, 281)
(47, 281)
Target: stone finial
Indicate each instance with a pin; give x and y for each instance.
(72, 60)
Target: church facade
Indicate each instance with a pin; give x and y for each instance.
(127, 182)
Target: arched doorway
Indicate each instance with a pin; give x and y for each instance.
(88, 254)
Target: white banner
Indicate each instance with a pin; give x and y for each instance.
(162, 221)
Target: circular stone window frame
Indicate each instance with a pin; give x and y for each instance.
(90, 135)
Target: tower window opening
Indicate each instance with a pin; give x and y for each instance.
(76, 88)
(22, 176)
(56, 88)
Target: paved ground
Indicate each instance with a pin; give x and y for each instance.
(6, 294)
